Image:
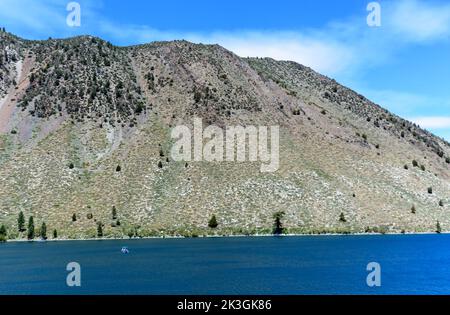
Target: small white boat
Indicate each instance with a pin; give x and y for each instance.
(124, 250)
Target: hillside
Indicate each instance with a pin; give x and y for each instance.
(85, 128)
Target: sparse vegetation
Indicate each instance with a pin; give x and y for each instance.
(87, 82)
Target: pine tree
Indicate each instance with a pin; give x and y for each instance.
(55, 233)
(213, 222)
(342, 217)
(438, 227)
(278, 225)
(114, 213)
(99, 229)
(21, 222)
(30, 228)
(74, 217)
(43, 231)
(3, 233)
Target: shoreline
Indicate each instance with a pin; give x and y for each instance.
(214, 236)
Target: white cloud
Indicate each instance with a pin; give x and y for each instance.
(401, 102)
(419, 21)
(28, 14)
(326, 56)
(339, 48)
(432, 122)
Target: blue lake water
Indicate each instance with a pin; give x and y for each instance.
(410, 264)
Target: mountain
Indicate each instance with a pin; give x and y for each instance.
(85, 128)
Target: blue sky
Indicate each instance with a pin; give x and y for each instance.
(404, 65)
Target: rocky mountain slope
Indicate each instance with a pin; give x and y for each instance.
(85, 129)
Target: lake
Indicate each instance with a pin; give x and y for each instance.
(410, 264)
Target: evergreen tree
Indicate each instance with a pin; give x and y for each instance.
(438, 227)
(213, 222)
(55, 233)
(99, 229)
(21, 222)
(114, 213)
(30, 228)
(342, 217)
(74, 217)
(278, 225)
(43, 231)
(3, 234)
